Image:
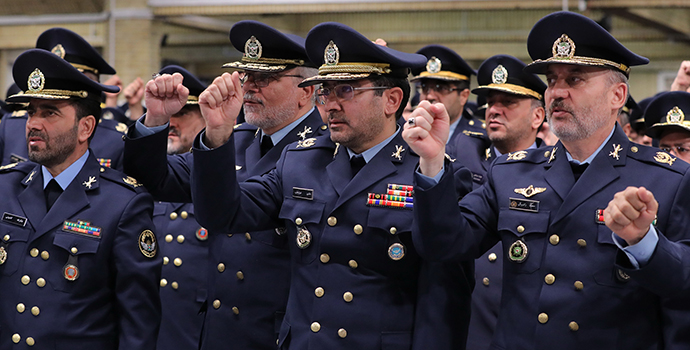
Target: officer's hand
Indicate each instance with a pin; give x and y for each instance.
(220, 104)
(134, 93)
(165, 95)
(427, 135)
(111, 97)
(630, 213)
(682, 80)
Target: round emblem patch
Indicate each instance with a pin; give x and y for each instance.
(3, 255)
(202, 234)
(396, 251)
(499, 75)
(147, 244)
(433, 65)
(71, 272)
(518, 251)
(331, 56)
(303, 237)
(253, 48)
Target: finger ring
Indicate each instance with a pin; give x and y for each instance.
(411, 121)
(155, 75)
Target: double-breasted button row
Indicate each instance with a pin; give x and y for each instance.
(34, 252)
(183, 215)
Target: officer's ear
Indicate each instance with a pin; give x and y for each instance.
(86, 127)
(306, 95)
(464, 95)
(392, 98)
(538, 115)
(619, 92)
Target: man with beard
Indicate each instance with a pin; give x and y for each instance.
(250, 271)
(590, 262)
(78, 257)
(515, 112)
(344, 200)
(107, 145)
(184, 243)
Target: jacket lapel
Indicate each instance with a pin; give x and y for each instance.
(339, 169)
(32, 199)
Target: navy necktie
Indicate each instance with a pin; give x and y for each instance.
(266, 144)
(356, 163)
(52, 192)
(578, 169)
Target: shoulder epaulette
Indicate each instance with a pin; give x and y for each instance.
(535, 155)
(245, 127)
(474, 134)
(651, 155)
(24, 167)
(122, 179)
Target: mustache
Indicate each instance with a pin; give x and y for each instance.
(36, 133)
(173, 131)
(560, 105)
(249, 96)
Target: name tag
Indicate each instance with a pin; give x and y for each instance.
(303, 193)
(524, 205)
(14, 219)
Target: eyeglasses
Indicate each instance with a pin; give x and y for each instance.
(440, 88)
(679, 150)
(343, 92)
(262, 80)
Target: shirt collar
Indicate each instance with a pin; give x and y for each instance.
(590, 158)
(452, 128)
(280, 134)
(65, 178)
(371, 152)
(498, 154)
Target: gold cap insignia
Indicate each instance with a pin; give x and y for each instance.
(563, 47)
(665, 158)
(530, 191)
(518, 251)
(519, 155)
(433, 65)
(147, 244)
(499, 75)
(59, 51)
(675, 115)
(252, 48)
(36, 81)
(331, 56)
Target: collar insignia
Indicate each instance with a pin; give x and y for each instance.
(90, 182)
(553, 154)
(337, 147)
(663, 157)
(36, 81)
(398, 152)
(563, 47)
(303, 134)
(614, 153)
(519, 155)
(499, 75)
(433, 65)
(488, 153)
(530, 191)
(59, 50)
(252, 48)
(675, 115)
(331, 56)
(31, 177)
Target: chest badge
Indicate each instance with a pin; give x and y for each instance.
(530, 191)
(71, 272)
(147, 244)
(518, 251)
(303, 237)
(202, 234)
(3, 255)
(396, 251)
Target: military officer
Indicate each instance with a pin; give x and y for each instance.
(78, 257)
(250, 270)
(344, 202)
(636, 127)
(515, 112)
(184, 243)
(670, 127)
(569, 281)
(446, 79)
(107, 146)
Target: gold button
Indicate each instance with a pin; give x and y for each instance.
(550, 279)
(74, 250)
(174, 285)
(229, 234)
(26, 279)
(353, 264)
(358, 229)
(347, 297)
(393, 230)
(166, 260)
(315, 327)
(216, 304)
(554, 239)
(164, 282)
(184, 215)
(30, 341)
(41, 282)
(102, 170)
(35, 311)
(581, 242)
(324, 127)
(342, 333)
(168, 238)
(485, 280)
(325, 258)
(248, 236)
(6, 238)
(221, 267)
(235, 310)
(471, 122)
(492, 257)
(45, 255)
(332, 221)
(16, 338)
(634, 149)
(180, 239)
(319, 292)
(298, 221)
(543, 318)
(173, 216)
(21, 308)
(573, 326)
(520, 229)
(547, 154)
(34, 252)
(579, 285)
(177, 262)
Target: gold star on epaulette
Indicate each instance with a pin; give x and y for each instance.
(131, 181)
